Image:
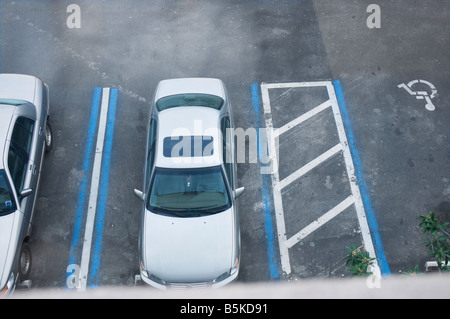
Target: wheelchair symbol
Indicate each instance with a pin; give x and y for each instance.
(420, 95)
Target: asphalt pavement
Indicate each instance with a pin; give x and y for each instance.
(402, 147)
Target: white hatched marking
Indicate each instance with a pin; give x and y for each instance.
(309, 166)
(320, 221)
(302, 118)
(355, 198)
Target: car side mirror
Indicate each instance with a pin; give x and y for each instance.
(139, 194)
(238, 192)
(26, 192)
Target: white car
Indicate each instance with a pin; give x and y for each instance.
(190, 234)
(25, 136)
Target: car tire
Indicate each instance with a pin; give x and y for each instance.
(25, 262)
(48, 137)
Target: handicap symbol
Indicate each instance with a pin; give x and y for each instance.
(420, 95)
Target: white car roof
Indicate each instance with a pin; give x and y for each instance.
(190, 85)
(187, 121)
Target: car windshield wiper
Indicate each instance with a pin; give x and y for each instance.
(197, 212)
(189, 212)
(169, 211)
(203, 211)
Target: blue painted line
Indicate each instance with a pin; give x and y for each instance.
(268, 224)
(87, 161)
(373, 225)
(103, 189)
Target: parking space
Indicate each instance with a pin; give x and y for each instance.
(357, 116)
(303, 202)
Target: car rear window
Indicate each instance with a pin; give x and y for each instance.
(206, 100)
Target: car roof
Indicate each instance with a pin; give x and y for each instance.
(190, 85)
(188, 121)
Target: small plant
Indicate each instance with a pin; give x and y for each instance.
(358, 260)
(413, 272)
(437, 240)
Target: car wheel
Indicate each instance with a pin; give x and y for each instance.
(48, 137)
(24, 262)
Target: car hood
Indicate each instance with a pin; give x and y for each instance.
(188, 250)
(6, 228)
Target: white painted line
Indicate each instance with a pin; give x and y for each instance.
(310, 165)
(277, 200)
(93, 195)
(295, 85)
(302, 118)
(320, 221)
(359, 206)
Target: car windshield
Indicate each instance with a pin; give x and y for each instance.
(188, 192)
(190, 99)
(7, 203)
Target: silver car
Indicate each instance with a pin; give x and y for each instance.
(190, 235)
(25, 135)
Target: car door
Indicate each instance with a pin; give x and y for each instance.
(21, 164)
(229, 162)
(228, 154)
(150, 159)
(38, 145)
(37, 150)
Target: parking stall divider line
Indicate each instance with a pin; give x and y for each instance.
(276, 190)
(87, 159)
(103, 191)
(359, 207)
(268, 223)
(93, 195)
(367, 205)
